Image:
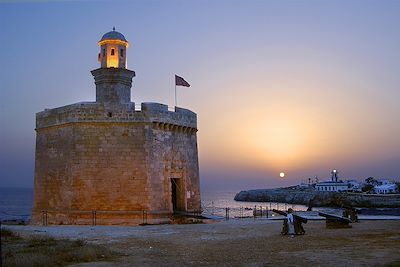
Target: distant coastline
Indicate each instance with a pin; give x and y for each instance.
(315, 198)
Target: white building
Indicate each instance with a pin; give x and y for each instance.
(385, 188)
(334, 185)
(330, 186)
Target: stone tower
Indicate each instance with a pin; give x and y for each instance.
(106, 162)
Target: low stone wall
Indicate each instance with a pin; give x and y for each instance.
(319, 199)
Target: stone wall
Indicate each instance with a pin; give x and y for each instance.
(172, 155)
(115, 161)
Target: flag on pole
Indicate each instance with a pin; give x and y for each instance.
(179, 81)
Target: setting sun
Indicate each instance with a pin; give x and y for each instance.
(282, 174)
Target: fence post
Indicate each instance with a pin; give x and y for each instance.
(44, 217)
(144, 216)
(227, 213)
(93, 218)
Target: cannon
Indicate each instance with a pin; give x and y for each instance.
(334, 221)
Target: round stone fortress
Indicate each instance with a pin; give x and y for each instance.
(105, 162)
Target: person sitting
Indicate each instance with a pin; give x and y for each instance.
(292, 224)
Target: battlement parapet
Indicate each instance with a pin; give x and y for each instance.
(122, 113)
(157, 112)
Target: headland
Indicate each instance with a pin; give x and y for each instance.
(314, 198)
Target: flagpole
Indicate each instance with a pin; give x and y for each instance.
(176, 101)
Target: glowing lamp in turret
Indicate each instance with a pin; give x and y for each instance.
(113, 46)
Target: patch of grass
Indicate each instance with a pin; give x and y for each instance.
(6, 233)
(47, 251)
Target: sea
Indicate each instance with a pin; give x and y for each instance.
(16, 204)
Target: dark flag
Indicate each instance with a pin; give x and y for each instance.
(179, 81)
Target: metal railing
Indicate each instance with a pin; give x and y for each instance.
(94, 217)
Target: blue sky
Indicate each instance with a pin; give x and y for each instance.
(296, 86)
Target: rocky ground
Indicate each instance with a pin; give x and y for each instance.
(238, 242)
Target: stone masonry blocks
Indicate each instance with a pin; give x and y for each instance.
(115, 161)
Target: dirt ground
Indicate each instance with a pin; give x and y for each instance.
(245, 242)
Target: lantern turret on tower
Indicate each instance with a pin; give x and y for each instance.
(113, 80)
(113, 47)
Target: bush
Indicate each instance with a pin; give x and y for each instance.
(367, 188)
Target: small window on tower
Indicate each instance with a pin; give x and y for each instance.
(122, 52)
(104, 52)
(112, 52)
